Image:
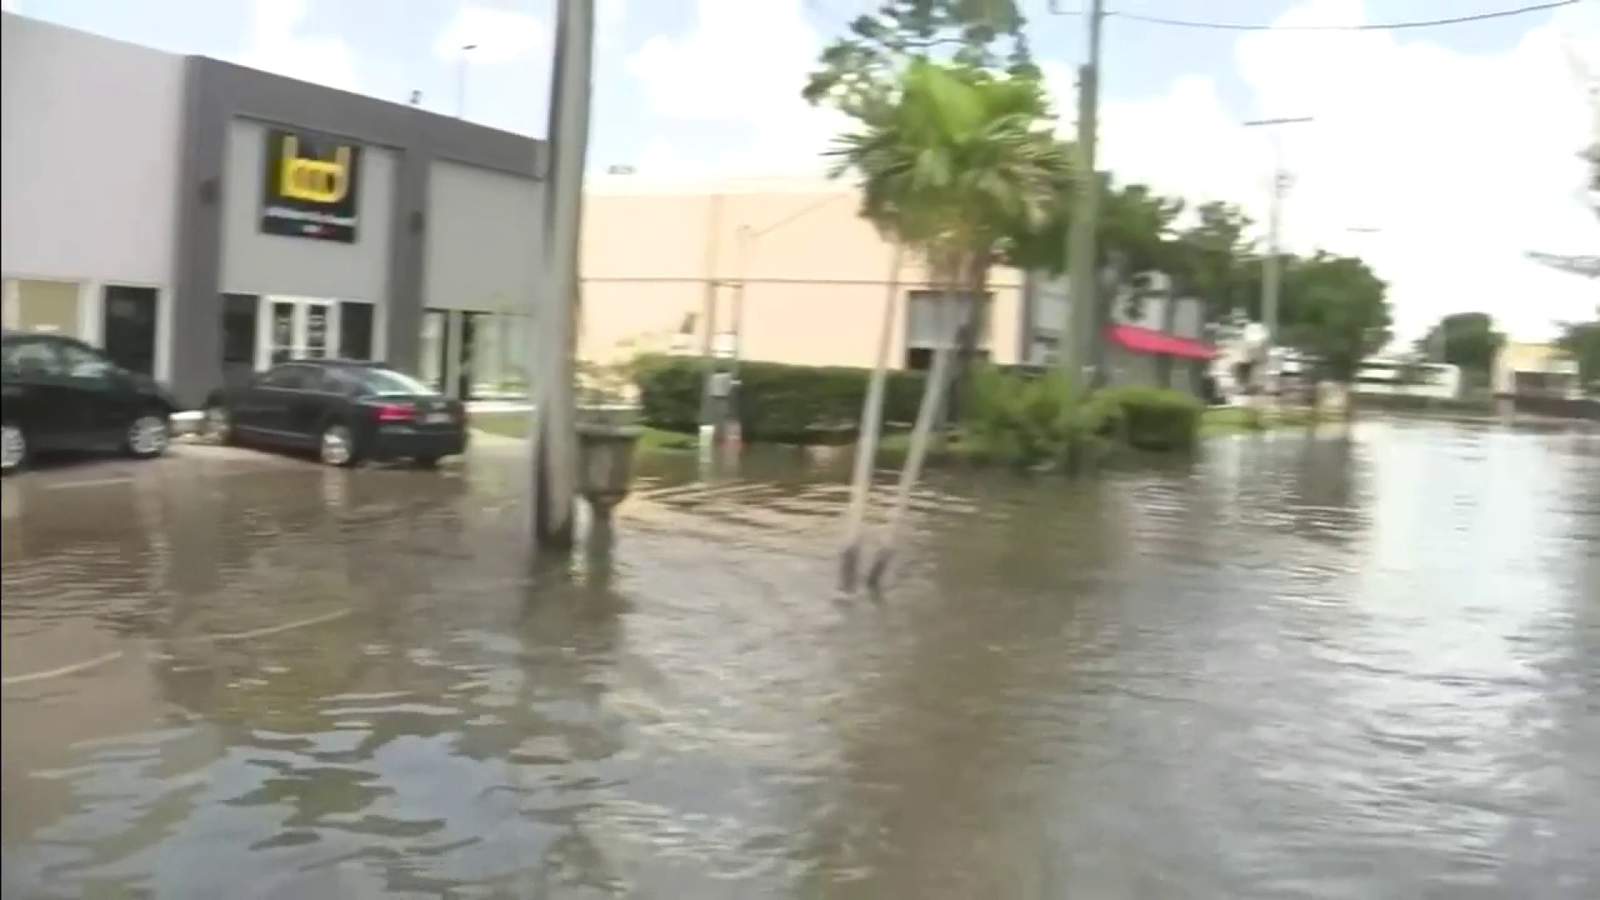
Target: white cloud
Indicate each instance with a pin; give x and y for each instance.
(609, 18)
(275, 46)
(1464, 161)
(497, 36)
(742, 66)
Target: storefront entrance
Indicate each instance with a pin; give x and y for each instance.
(293, 328)
(259, 332)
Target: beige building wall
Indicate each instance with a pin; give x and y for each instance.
(814, 273)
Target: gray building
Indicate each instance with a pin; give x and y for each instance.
(199, 220)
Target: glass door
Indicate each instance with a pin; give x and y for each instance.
(297, 328)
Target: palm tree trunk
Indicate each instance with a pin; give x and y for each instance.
(867, 441)
(974, 280)
(933, 394)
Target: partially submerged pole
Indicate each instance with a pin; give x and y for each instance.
(871, 426)
(933, 392)
(555, 450)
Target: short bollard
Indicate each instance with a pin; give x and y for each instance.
(605, 465)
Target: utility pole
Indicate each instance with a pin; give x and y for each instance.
(553, 484)
(461, 80)
(1078, 357)
(1271, 266)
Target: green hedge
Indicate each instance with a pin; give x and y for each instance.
(1154, 418)
(1032, 419)
(777, 403)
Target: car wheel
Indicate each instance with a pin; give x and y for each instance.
(219, 424)
(427, 462)
(13, 448)
(148, 435)
(338, 446)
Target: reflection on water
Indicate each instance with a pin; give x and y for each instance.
(1296, 667)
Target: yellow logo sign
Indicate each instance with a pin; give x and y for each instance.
(314, 180)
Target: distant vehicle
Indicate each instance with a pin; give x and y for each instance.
(1404, 378)
(345, 410)
(62, 394)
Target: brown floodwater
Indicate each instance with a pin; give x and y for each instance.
(1291, 667)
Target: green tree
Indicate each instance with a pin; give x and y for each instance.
(861, 71)
(1334, 309)
(948, 164)
(960, 159)
(1468, 339)
(1217, 263)
(1582, 340)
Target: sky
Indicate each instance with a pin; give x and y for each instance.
(1450, 151)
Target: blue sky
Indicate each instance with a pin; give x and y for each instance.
(1409, 124)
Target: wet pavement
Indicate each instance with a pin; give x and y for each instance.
(1290, 668)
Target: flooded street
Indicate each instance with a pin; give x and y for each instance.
(1293, 668)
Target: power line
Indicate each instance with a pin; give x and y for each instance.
(1375, 26)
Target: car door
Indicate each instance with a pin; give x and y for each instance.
(99, 393)
(264, 412)
(246, 406)
(309, 407)
(35, 397)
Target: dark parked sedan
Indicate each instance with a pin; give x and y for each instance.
(62, 394)
(346, 411)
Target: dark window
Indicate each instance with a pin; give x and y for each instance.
(238, 338)
(290, 378)
(355, 330)
(130, 327)
(919, 359)
(35, 359)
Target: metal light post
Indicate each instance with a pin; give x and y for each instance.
(461, 80)
(1271, 266)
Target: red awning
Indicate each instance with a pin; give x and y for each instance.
(1144, 340)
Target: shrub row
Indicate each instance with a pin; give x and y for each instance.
(777, 403)
(1021, 417)
(1154, 418)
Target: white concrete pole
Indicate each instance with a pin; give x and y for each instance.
(871, 427)
(555, 443)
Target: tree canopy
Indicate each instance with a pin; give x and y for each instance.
(1469, 340)
(1334, 309)
(960, 157)
(860, 71)
(1582, 340)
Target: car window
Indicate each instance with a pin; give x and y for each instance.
(32, 359)
(287, 377)
(84, 364)
(388, 381)
(342, 380)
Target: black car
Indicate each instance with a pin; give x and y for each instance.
(345, 410)
(62, 394)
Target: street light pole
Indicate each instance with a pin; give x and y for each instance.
(461, 80)
(1271, 268)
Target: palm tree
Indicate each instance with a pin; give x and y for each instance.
(950, 164)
